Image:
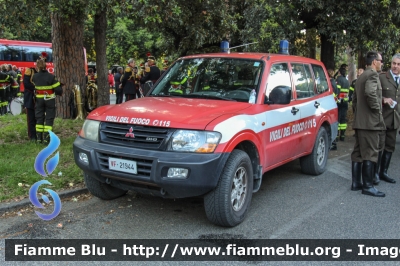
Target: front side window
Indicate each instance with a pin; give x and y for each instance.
(278, 76)
(211, 78)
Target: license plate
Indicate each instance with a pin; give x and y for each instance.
(122, 165)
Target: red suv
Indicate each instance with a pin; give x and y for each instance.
(211, 126)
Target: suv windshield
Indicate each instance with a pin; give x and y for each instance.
(211, 78)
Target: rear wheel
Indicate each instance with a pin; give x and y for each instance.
(102, 190)
(315, 163)
(228, 203)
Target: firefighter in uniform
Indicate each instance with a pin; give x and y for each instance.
(151, 74)
(91, 77)
(7, 84)
(19, 74)
(47, 87)
(343, 102)
(29, 102)
(391, 114)
(139, 91)
(368, 124)
(128, 81)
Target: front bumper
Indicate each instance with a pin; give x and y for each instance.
(152, 165)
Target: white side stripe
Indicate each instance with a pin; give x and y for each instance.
(273, 118)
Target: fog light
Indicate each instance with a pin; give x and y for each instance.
(83, 158)
(180, 173)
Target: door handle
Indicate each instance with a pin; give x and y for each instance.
(316, 104)
(294, 110)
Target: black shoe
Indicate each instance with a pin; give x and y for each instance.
(333, 148)
(373, 192)
(368, 170)
(386, 157)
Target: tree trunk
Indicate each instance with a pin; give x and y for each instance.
(100, 28)
(69, 60)
(327, 52)
(311, 38)
(361, 58)
(351, 62)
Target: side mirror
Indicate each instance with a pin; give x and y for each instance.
(280, 95)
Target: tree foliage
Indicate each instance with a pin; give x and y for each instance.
(169, 29)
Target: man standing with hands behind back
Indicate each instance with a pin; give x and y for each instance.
(391, 114)
(368, 125)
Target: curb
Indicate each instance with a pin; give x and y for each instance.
(11, 206)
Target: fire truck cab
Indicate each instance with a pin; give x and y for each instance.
(212, 125)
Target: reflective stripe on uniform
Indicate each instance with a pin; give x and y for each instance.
(39, 128)
(47, 128)
(178, 82)
(45, 95)
(48, 87)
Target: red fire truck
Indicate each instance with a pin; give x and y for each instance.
(23, 54)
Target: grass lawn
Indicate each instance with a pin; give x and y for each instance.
(18, 154)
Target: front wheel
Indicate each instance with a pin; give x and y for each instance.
(315, 163)
(228, 203)
(102, 190)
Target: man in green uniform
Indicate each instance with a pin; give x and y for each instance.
(391, 114)
(368, 124)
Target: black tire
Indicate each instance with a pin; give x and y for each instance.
(315, 163)
(102, 190)
(237, 175)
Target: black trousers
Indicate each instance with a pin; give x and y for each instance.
(45, 112)
(129, 97)
(342, 115)
(119, 96)
(31, 122)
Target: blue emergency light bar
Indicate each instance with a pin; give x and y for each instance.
(284, 47)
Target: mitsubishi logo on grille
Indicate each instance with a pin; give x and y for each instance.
(130, 134)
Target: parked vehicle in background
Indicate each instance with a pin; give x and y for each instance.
(24, 54)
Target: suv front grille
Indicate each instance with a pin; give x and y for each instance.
(134, 136)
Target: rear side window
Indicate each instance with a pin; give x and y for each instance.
(320, 79)
(303, 80)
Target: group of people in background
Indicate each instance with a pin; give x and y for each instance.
(374, 96)
(10, 80)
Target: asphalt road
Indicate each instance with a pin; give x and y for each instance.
(289, 205)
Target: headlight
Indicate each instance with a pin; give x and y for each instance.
(194, 141)
(90, 130)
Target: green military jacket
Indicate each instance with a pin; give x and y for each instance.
(368, 98)
(390, 89)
